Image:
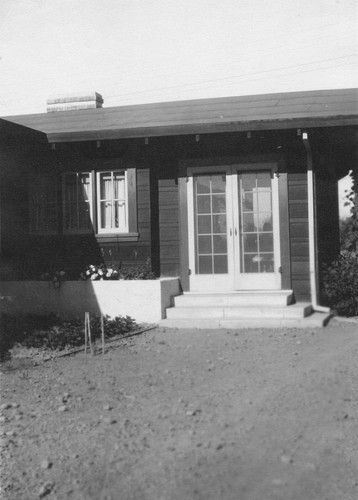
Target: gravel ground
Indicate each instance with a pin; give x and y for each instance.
(187, 414)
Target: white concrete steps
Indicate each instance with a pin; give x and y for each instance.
(227, 299)
(239, 312)
(315, 320)
(253, 309)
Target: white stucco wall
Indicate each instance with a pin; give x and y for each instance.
(144, 301)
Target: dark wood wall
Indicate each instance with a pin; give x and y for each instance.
(28, 256)
(158, 211)
(298, 233)
(169, 234)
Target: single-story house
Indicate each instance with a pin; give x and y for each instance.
(233, 200)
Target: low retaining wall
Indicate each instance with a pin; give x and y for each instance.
(143, 300)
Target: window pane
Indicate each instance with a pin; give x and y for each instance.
(203, 204)
(247, 202)
(220, 244)
(267, 263)
(219, 223)
(218, 183)
(84, 193)
(205, 265)
(203, 184)
(204, 244)
(105, 186)
(77, 200)
(219, 203)
(119, 214)
(106, 214)
(220, 264)
(264, 221)
(204, 224)
(248, 181)
(248, 223)
(250, 242)
(119, 187)
(264, 179)
(264, 201)
(251, 263)
(84, 217)
(266, 242)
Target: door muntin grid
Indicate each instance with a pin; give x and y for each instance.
(210, 210)
(256, 223)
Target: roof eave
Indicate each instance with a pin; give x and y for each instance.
(201, 128)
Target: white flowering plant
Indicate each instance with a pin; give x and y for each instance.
(112, 272)
(101, 272)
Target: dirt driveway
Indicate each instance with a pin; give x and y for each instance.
(187, 415)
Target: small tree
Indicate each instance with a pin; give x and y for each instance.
(340, 278)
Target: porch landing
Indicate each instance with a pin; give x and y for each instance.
(246, 309)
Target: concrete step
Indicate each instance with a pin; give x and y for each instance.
(315, 320)
(295, 311)
(229, 299)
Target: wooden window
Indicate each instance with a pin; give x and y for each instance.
(112, 202)
(43, 205)
(103, 202)
(77, 202)
(116, 206)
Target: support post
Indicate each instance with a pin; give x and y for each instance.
(312, 227)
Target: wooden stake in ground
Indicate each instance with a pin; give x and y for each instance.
(88, 332)
(102, 331)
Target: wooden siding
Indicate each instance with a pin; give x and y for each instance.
(26, 256)
(298, 230)
(169, 226)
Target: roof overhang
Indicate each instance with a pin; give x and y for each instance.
(314, 109)
(197, 128)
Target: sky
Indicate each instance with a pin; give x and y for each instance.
(138, 51)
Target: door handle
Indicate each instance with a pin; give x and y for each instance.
(235, 231)
(230, 231)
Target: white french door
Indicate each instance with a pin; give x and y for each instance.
(233, 225)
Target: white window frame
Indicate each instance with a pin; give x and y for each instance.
(124, 228)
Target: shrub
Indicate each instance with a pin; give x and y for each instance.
(103, 272)
(340, 278)
(53, 333)
(340, 284)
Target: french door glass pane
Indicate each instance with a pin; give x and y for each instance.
(202, 184)
(210, 224)
(256, 231)
(204, 224)
(218, 183)
(205, 245)
(204, 206)
(219, 203)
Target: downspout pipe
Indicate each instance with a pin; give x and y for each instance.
(312, 227)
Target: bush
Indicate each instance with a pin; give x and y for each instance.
(340, 284)
(53, 333)
(103, 272)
